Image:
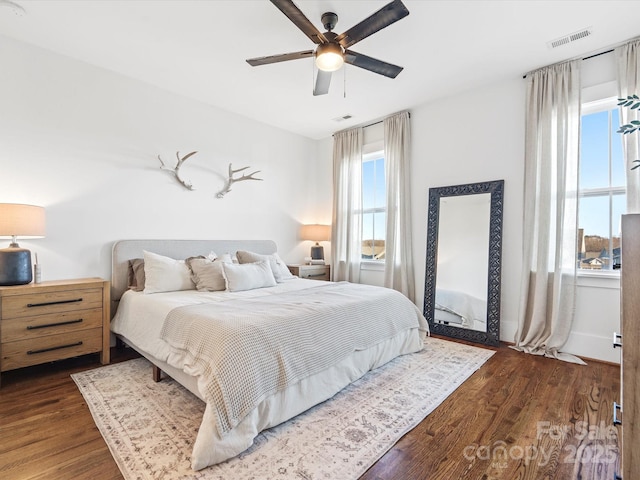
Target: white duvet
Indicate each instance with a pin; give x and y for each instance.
(140, 318)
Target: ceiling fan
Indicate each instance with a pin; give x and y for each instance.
(332, 50)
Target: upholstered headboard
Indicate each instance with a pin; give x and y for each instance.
(125, 250)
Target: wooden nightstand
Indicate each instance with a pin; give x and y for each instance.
(53, 320)
(315, 272)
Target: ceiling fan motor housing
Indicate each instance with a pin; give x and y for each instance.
(329, 20)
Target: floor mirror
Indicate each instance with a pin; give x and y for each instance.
(464, 251)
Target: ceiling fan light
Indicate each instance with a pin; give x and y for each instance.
(329, 57)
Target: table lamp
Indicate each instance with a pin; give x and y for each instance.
(316, 233)
(24, 221)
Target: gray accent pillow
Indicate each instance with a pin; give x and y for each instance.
(207, 274)
(136, 274)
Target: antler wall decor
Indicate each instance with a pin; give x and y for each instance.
(176, 170)
(231, 180)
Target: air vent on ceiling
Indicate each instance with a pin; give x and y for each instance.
(572, 37)
(343, 117)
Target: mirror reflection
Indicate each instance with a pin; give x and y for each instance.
(463, 244)
(464, 248)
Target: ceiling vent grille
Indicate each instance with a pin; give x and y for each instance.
(343, 117)
(572, 37)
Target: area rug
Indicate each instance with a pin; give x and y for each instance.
(150, 427)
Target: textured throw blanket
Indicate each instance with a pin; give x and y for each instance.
(248, 349)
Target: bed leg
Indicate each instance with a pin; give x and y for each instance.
(157, 374)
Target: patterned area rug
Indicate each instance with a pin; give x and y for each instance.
(150, 427)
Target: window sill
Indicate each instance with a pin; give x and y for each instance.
(377, 266)
(599, 278)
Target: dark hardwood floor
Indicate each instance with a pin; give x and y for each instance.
(518, 417)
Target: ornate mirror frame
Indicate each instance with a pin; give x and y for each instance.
(496, 189)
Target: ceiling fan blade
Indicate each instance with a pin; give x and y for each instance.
(254, 62)
(294, 14)
(384, 17)
(372, 64)
(323, 80)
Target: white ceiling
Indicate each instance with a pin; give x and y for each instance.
(198, 48)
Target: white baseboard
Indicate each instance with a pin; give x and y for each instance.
(585, 345)
(592, 346)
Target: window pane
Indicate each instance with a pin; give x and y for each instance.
(618, 173)
(619, 208)
(367, 235)
(373, 207)
(368, 190)
(380, 187)
(594, 150)
(380, 221)
(593, 227)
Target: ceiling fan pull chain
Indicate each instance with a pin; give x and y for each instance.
(344, 82)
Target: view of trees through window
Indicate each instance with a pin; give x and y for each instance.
(602, 192)
(374, 210)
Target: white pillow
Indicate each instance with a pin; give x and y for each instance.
(278, 267)
(247, 276)
(208, 275)
(164, 274)
(226, 258)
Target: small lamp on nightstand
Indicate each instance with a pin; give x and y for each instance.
(24, 221)
(316, 233)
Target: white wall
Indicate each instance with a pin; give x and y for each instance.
(473, 137)
(83, 142)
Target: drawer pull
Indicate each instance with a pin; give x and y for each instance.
(70, 322)
(616, 343)
(313, 275)
(33, 352)
(616, 407)
(59, 302)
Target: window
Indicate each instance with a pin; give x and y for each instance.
(374, 207)
(602, 191)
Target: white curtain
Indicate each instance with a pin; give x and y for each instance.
(398, 269)
(552, 139)
(346, 229)
(629, 84)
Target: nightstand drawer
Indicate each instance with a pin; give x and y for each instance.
(23, 328)
(313, 272)
(52, 347)
(42, 303)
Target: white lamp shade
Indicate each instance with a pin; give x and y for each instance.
(316, 232)
(21, 220)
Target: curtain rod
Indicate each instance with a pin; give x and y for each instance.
(584, 58)
(374, 123)
(597, 54)
(380, 121)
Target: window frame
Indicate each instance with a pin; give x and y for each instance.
(602, 104)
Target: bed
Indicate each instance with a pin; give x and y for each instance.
(256, 355)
